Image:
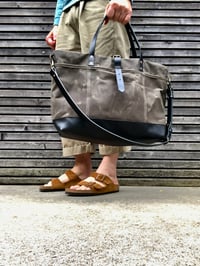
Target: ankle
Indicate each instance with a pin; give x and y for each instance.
(108, 166)
(83, 165)
(81, 172)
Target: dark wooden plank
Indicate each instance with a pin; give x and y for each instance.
(19, 20)
(135, 164)
(37, 77)
(25, 52)
(25, 60)
(25, 118)
(56, 145)
(38, 93)
(23, 36)
(135, 155)
(14, 172)
(180, 13)
(166, 5)
(24, 28)
(27, 4)
(21, 86)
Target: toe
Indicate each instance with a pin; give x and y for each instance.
(77, 187)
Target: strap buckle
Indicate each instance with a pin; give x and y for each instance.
(118, 73)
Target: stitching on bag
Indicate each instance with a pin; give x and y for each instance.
(112, 70)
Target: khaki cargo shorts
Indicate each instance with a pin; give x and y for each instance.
(75, 31)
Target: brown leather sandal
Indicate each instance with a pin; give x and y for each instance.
(95, 188)
(57, 185)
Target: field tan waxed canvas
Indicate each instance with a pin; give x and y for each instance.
(136, 113)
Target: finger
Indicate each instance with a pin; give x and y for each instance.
(124, 18)
(106, 21)
(110, 12)
(127, 19)
(50, 42)
(54, 36)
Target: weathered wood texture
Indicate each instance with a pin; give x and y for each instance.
(30, 150)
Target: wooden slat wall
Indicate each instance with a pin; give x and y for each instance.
(30, 150)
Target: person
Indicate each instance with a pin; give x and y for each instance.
(75, 22)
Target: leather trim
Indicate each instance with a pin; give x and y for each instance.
(78, 128)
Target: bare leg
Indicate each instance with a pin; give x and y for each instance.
(108, 166)
(82, 168)
(83, 165)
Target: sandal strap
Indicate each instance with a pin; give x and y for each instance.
(56, 182)
(102, 178)
(105, 180)
(71, 175)
(86, 184)
(91, 185)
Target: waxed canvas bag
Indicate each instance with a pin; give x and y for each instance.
(111, 100)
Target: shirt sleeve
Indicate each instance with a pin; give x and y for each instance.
(58, 11)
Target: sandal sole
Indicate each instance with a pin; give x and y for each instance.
(71, 192)
(51, 189)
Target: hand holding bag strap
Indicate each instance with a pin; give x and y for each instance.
(116, 59)
(131, 35)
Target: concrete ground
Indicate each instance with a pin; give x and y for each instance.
(150, 226)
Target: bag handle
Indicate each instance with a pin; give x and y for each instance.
(132, 38)
(81, 114)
